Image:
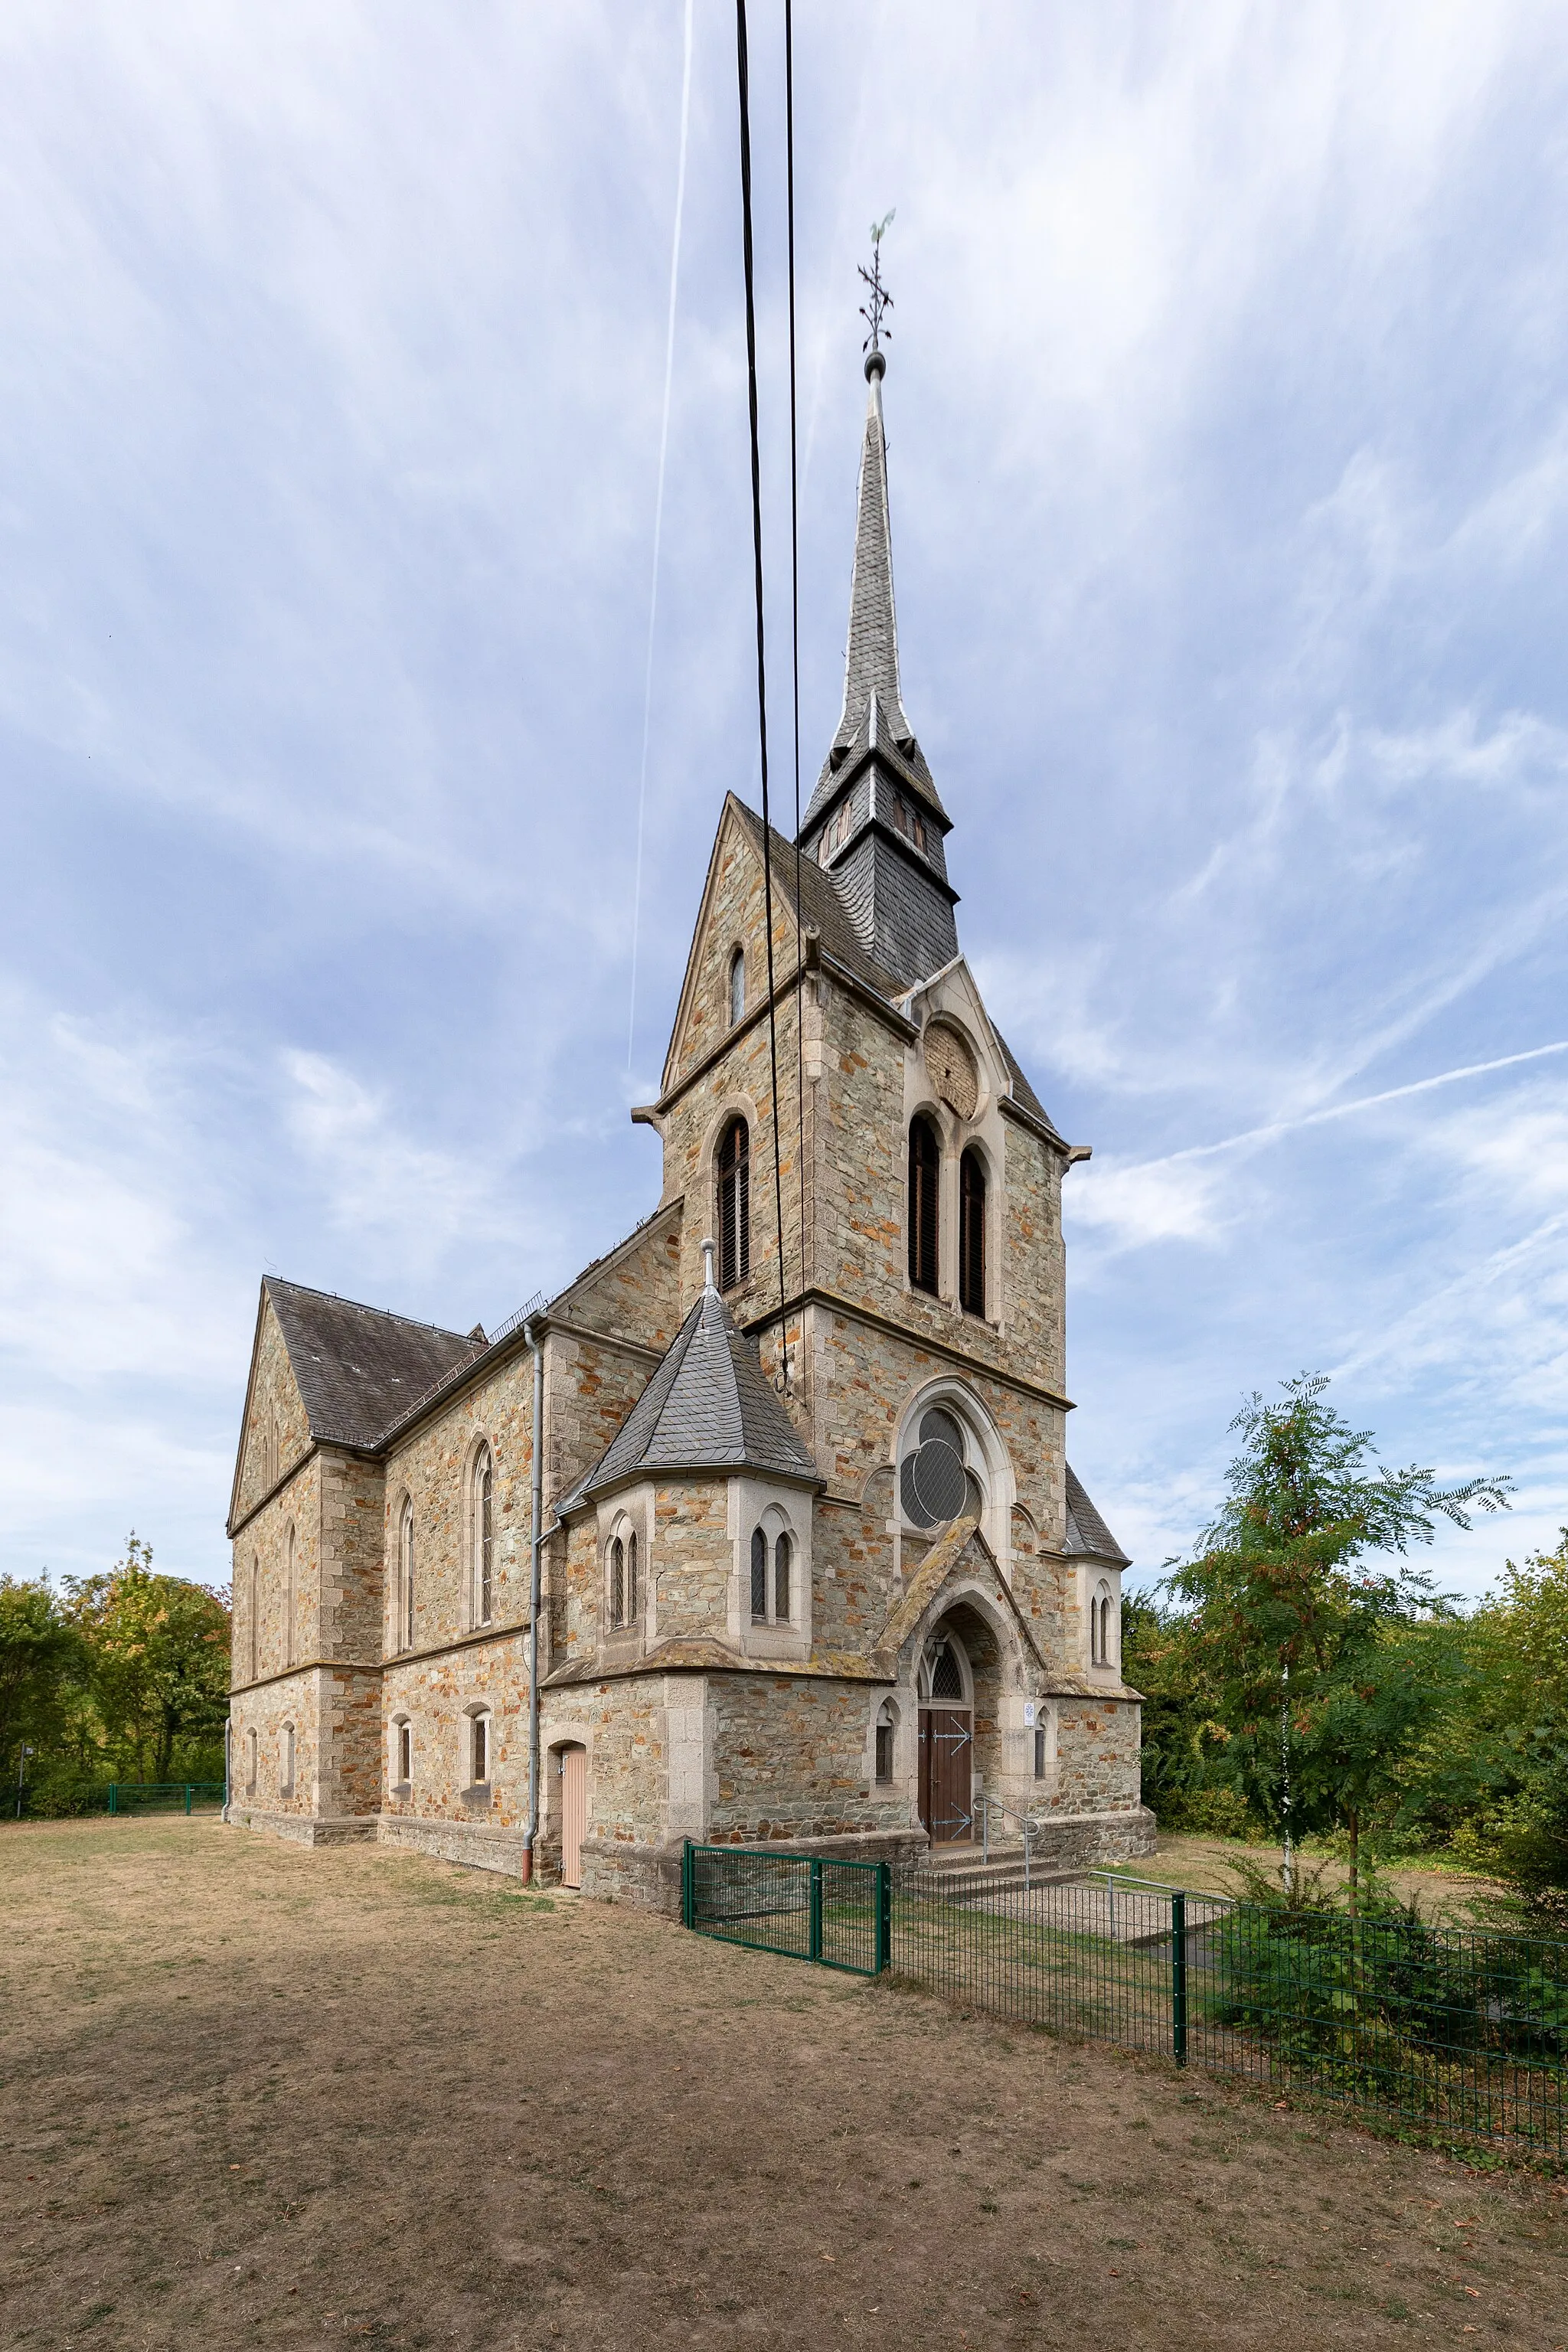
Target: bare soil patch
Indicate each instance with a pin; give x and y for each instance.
(257, 2096)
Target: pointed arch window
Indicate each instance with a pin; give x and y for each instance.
(972, 1232)
(734, 1204)
(623, 1583)
(289, 1605)
(885, 1727)
(783, 1557)
(925, 1175)
(1100, 1634)
(759, 1577)
(737, 985)
(406, 1579)
(481, 1510)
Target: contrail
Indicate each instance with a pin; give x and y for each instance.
(1344, 1110)
(658, 512)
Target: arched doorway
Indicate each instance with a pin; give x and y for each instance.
(572, 1766)
(946, 1745)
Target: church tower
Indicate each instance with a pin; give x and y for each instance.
(789, 1460)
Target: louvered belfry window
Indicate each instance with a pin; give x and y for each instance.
(734, 1205)
(925, 1166)
(972, 1234)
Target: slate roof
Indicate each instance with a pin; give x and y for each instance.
(821, 907)
(360, 1368)
(1087, 1531)
(707, 1407)
(871, 654)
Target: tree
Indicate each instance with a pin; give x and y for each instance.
(40, 1656)
(159, 1651)
(1306, 1644)
(1513, 1736)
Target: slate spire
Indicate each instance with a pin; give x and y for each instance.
(876, 821)
(871, 658)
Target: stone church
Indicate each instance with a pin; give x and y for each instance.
(762, 1528)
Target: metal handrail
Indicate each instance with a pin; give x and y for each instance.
(1025, 1822)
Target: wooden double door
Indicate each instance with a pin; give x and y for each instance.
(946, 1758)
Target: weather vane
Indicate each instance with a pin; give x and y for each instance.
(881, 299)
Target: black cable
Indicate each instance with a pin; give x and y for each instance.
(795, 629)
(744, 75)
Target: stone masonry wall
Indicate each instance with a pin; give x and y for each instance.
(635, 1292)
(436, 1694)
(791, 1758)
(276, 1433)
(267, 1639)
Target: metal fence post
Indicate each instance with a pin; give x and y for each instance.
(688, 1886)
(884, 1952)
(112, 1807)
(1179, 1978)
(814, 1930)
(187, 1796)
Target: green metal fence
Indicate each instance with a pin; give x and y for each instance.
(805, 1905)
(1454, 2031)
(119, 1797)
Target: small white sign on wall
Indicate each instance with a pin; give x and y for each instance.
(1028, 1715)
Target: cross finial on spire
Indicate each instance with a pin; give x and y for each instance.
(880, 300)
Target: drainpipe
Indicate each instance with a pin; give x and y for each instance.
(535, 1582)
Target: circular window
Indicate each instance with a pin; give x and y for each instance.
(933, 1484)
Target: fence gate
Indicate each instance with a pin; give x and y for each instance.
(807, 1907)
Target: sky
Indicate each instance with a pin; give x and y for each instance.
(1227, 421)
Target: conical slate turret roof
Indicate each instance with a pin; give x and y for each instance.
(708, 1407)
(1087, 1531)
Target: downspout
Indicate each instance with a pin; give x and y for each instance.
(536, 1545)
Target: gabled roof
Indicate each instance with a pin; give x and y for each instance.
(1087, 1531)
(360, 1368)
(707, 1407)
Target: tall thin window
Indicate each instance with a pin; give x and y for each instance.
(404, 1754)
(483, 1538)
(782, 1559)
(255, 1614)
(759, 1577)
(405, 1597)
(617, 1582)
(884, 1740)
(972, 1234)
(737, 986)
(480, 1739)
(288, 1607)
(1039, 1751)
(734, 1205)
(286, 1763)
(251, 1750)
(1100, 1627)
(925, 1167)
(632, 1577)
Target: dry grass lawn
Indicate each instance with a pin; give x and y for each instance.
(258, 2096)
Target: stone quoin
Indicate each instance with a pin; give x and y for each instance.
(817, 1574)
